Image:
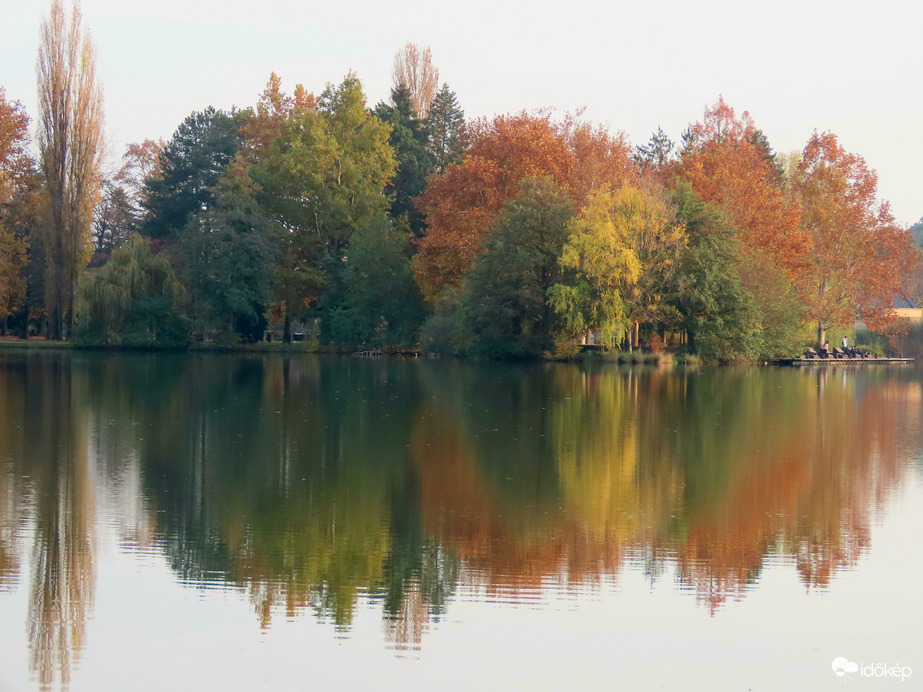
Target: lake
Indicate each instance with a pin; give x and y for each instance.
(237, 522)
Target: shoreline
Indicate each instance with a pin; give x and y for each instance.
(311, 348)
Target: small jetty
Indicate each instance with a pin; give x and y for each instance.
(824, 362)
(840, 357)
(380, 352)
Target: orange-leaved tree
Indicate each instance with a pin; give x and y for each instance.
(462, 203)
(17, 202)
(602, 161)
(267, 120)
(728, 164)
(859, 256)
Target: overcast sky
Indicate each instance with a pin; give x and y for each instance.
(854, 69)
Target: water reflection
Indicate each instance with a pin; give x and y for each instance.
(309, 483)
(45, 433)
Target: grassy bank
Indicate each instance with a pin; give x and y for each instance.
(261, 347)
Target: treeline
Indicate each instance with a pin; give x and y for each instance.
(405, 225)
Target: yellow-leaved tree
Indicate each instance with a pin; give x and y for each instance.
(600, 268)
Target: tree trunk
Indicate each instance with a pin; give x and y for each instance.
(821, 335)
(287, 329)
(54, 322)
(634, 334)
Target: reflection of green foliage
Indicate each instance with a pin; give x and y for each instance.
(716, 423)
(505, 411)
(294, 478)
(273, 472)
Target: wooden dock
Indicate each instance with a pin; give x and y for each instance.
(870, 360)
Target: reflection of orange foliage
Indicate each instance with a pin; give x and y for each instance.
(856, 461)
(459, 510)
(455, 504)
(812, 492)
(724, 549)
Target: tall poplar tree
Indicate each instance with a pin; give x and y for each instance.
(70, 142)
(414, 69)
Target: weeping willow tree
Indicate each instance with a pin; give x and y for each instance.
(134, 299)
(70, 141)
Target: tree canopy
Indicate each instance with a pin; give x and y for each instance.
(403, 225)
(860, 256)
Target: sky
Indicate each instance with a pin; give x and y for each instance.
(855, 69)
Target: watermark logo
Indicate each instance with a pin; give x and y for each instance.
(845, 669)
(843, 666)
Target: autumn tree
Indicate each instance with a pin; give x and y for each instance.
(267, 120)
(730, 165)
(859, 256)
(657, 241)
(462, 203)
(18, 205)
(600, 268)
(70, 142)
(414, 69)
(601, 161)
(120, 210)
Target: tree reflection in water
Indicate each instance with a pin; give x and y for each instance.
(45, 431)
(312, 483)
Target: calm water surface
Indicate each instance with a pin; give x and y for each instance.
(248, 523)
